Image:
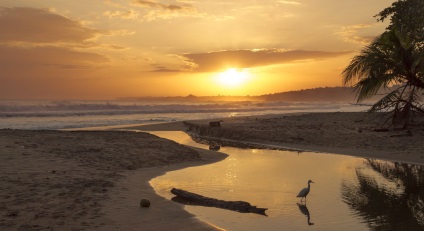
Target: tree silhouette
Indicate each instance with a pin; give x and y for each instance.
(395, 58)
(407, 16)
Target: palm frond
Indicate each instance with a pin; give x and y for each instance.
(387, 102)
(360, 65)
(391, 59)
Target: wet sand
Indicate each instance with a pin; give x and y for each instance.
(123, 212)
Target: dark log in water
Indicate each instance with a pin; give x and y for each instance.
(188, 198)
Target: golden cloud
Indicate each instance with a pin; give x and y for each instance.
(290, 2)
(216, 61)
(157, 10)
(37, 42)
(14, 58)
(352, 34)
(170, 7)
(22, 24)
(128, 14)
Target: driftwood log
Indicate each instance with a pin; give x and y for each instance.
(188, 198)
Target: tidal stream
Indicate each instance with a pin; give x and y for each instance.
(349, 193)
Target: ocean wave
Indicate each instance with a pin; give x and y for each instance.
(78, 108)
(83, 114)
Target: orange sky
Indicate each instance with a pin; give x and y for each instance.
(103, 49)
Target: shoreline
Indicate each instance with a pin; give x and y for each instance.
(67, 180)
(124, 213)
(93, 180)
(321, 150)
(313, 132)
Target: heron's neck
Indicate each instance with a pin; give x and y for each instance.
(309, 185)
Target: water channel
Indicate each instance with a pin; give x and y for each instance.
(349, 193)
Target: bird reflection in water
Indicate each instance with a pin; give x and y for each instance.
(304, 210)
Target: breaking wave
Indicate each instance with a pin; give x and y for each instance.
(39, 114)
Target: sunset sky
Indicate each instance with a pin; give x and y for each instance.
(104, 49)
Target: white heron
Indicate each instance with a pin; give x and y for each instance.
(304, 192)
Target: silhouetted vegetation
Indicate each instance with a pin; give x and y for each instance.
(395, 58)
(406, 16)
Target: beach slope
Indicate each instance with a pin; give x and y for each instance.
(66, 180)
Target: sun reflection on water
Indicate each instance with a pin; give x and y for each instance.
(231, 171)
(349, 193)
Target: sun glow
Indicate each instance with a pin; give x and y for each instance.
(233, 77)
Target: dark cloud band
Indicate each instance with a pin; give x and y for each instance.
(22, 24)
(214, 61)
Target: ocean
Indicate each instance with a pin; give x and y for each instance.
(72, 114)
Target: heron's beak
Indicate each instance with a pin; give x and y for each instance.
(312, 182)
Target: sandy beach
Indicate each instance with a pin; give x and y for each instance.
(93, 180)
(79, 180)
(351, 133)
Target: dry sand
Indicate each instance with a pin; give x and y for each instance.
(57, 180)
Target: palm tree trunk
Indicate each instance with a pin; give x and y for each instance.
(408, 108)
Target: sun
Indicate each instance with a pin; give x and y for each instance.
(233, 77)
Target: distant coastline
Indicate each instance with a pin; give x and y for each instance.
(320, 94)
(33, 114)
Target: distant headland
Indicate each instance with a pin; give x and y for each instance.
(321, 94)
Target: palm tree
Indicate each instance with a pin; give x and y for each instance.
(396, 64)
